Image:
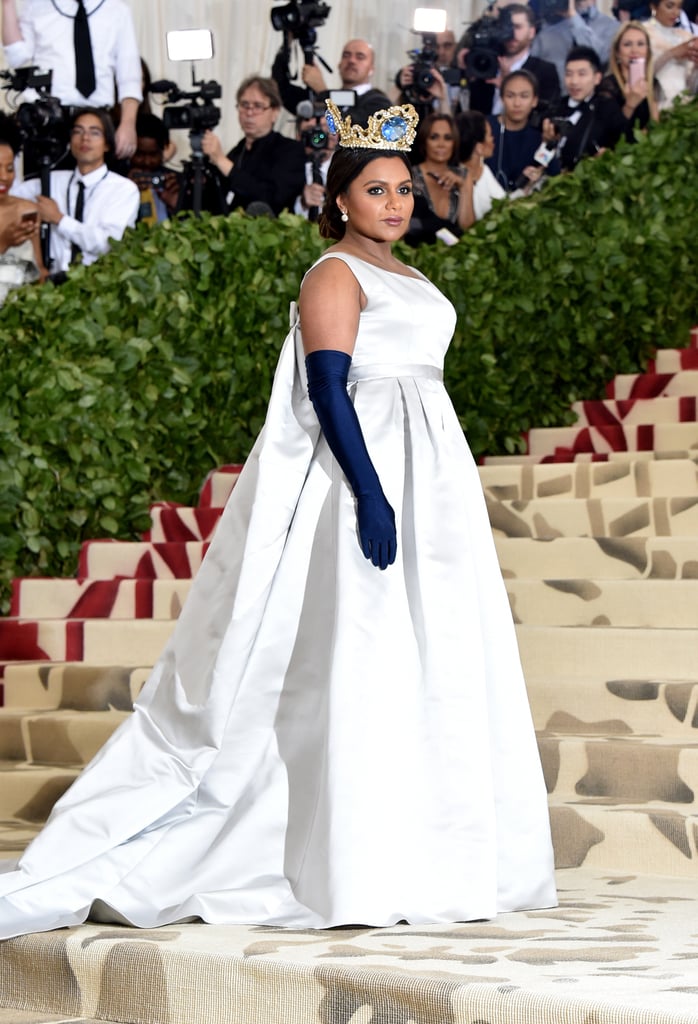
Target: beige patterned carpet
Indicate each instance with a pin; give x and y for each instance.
(618, 949)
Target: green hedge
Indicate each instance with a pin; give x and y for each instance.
(144, 371)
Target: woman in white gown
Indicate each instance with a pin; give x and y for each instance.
(338, 730)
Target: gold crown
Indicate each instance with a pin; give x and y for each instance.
(394, 128)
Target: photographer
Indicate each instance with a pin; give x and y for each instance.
(581, 24)
(91, 205)
(158, 185)
(319, 144)
(485, 95)
(585, 123)
(265, 167)
(88, 47)
(355, 70)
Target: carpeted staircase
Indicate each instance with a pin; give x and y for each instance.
(597, 533)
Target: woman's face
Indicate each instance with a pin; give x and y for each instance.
(632, 44)
(667, 11)
(379, 201)
(439, 143)
(7, 170)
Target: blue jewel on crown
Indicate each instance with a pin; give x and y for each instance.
(331, 123)
(394, 129)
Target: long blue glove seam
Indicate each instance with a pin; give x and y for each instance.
(328, 372)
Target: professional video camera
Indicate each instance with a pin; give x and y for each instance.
(314, 138)
(200, 187)
(423, 63)
(427, 22)
(43, 131)
(196, 115)
(486, 41)
(299, 20)
(40, 122)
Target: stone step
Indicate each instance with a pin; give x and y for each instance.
(599, 558)
(642, 478)
(546, 518)
(653, 385)
(106, 559)
(28, 791)
(673, 360)
(182, 524)
(111, 599)
(620, 653)
(76, 686)
(625, 707)
(624, 412)
(646, 604)
(99, 641)
(217, 486)
(650, 840)
(55, 737)
(617, 769)
(634, 437)
(15, 836)
(567, 457)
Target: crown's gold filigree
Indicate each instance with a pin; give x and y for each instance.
(394, 128)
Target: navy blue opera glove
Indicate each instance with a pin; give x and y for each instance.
(328, 371)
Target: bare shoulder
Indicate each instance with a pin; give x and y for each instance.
(330, 304)
(329, 274)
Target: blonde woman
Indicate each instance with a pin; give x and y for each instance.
(675, 53)
(631, 82)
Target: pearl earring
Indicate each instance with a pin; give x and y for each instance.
(345, 216)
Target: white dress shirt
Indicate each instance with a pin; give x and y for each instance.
(47, 30)
(111, 206)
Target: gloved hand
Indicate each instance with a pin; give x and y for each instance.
(328, 371)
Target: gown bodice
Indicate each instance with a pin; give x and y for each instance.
(406, 320)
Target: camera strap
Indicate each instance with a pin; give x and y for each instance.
(88, 188)
(64, 14)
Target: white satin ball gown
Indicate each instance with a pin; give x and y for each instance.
(322, 743)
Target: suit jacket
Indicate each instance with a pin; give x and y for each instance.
(482, 93)
(272, 171)
(291, 95)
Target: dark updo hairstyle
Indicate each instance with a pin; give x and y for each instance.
(425, 127)
(472, 128)
(346, 165)
(9, 133)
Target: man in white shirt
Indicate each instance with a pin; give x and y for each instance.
(45, 34)
(90, 205)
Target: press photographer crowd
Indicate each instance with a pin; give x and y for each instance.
(520, 95)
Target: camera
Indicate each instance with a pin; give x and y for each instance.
(299, 20)
(40, 122)
(315, 138)
(486, 41)
(423, 63)
(197, 115)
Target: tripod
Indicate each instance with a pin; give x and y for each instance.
(200, 189)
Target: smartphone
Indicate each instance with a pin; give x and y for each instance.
(29, 217)
(636, 70)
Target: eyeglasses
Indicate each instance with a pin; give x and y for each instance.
(253, 108)
(92, 133)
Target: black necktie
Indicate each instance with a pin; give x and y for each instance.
(79, 211)
(84, 61)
